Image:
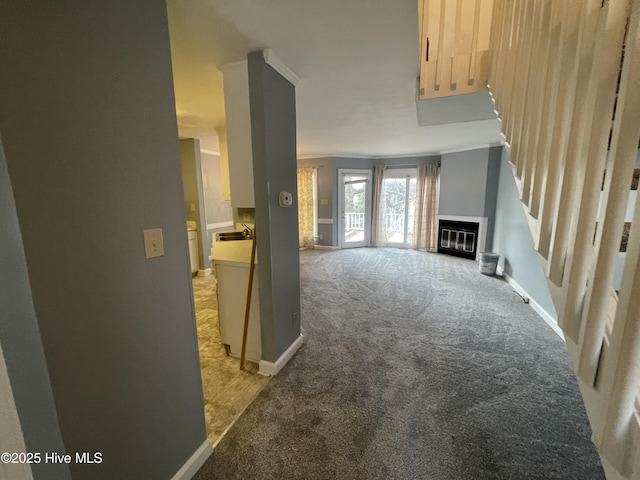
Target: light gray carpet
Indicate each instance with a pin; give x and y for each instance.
(415, 366)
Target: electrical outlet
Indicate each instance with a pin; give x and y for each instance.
(320, 236)
(246, 217)
(153, 244)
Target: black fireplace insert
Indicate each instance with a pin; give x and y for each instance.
(458, 238)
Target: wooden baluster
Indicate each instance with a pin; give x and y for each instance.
(432, 24)
(502, 48)
(471, 75)
(515, 56)
(480, 50)
(539, 73)
(606, 69)
(521, 82)
(463, 48)
(496, 33)
(581, 124)
(510, 68)
(423, 12)
(457, 49)
(446, 42)
(621, 372)
(548, 113)
(622, 158)
(568, 75)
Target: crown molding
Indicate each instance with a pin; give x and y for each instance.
(313, 156)
(278, 65)
(466, 149)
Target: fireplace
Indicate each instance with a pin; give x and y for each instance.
(458, 238)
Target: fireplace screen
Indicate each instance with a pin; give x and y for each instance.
(458, 238)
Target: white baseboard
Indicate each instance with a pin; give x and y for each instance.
(326, 247)
(205, 273)
(546, 316)
(270, 368)
(191, 466)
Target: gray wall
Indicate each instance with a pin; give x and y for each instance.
(513, 241)
(87, 116)
(21, 343)
(491, 195)
(273, 137)
(193, 187)
(463, 182)
(467, 107)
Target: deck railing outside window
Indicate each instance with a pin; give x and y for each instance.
(353, 221)
(394, 222)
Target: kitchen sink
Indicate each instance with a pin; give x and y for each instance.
(228, 236)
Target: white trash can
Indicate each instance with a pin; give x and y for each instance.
(488, 263)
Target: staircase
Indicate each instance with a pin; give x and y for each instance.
(565, 78)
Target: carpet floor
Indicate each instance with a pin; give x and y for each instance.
(415, 366)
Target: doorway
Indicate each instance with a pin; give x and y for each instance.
(355, 208)
(399, 193)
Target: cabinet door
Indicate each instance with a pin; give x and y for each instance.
(193, 251)
(232, 298)
(238, 117)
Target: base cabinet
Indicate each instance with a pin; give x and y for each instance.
(233, 282)
(193, 250)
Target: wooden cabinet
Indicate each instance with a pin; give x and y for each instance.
(193, 249)
(233, 280)
(224, 164)
(238, 134)
(454, 44)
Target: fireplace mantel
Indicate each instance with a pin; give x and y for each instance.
(482, 228)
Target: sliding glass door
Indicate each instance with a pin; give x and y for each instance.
(399, 193)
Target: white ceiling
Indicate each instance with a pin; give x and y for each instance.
(357, 60)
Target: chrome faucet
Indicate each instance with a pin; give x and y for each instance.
(248, 232)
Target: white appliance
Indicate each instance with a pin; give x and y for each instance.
(193, 248)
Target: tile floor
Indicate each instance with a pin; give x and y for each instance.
(227, 389)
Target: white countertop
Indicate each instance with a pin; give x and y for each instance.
(234, 251)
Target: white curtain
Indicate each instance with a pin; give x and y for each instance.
(305, 207)
(426, 217)
(378, 227)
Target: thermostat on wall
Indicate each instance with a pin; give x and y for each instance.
(285, 199)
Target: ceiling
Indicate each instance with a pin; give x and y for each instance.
(358, 64)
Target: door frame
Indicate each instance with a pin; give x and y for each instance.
(407, 174)
(368, 173)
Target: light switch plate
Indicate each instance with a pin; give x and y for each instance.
(153, 244)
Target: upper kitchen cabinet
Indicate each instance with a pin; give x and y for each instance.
(224, 164)
(454, 44)
(238, 134)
